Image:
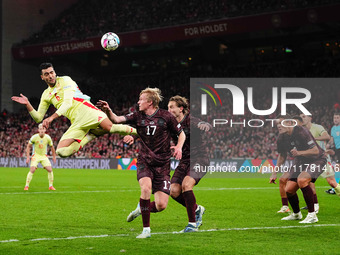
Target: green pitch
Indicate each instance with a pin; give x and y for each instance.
(87, 215)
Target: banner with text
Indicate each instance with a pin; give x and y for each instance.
(234, 25)
(77, 163)
(83, 163)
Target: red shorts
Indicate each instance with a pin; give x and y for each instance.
(184, 169)
(315, 169)
(159, 175)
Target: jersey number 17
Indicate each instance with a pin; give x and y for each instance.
(150, 130)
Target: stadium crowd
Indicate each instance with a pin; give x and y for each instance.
(95, 17)
(237, 142)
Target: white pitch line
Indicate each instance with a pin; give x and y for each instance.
(248, 188)
(137, 189)
(126, 190)
(64, 187)
(254, 228)
(11, 187)
(9, 241)
(167, 233)
(67, 192)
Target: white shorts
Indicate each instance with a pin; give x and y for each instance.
(43, 159)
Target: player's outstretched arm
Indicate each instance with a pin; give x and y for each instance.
(47, 121)
(23, 100)
(28, 151)
(65, 106)
(128, 139)
(280, 161)
(112, 116)
(330, 143)
(330, 152)
(323, 137)
(54, 154)
(104, 106)
(204, 126)
(178, 148)
(36, 115)
(307, 153)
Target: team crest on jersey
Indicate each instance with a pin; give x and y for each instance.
(99, 118)
(160, 122)
(179, 125)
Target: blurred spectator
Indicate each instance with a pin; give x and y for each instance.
(236, 142)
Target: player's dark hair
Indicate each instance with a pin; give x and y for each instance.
(287, 116)
(181, 102)
(44, 66)
(296, 117)
(336, 113)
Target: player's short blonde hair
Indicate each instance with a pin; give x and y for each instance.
(154, 95)
(181, 102)
(41, 126)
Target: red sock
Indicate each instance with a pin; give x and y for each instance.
(294, 202)
(180, 199)
(190, 201)
(308, 196)
(284, 201)
(145, 209)
(153, 208)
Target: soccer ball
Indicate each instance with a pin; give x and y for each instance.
(110, 41)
